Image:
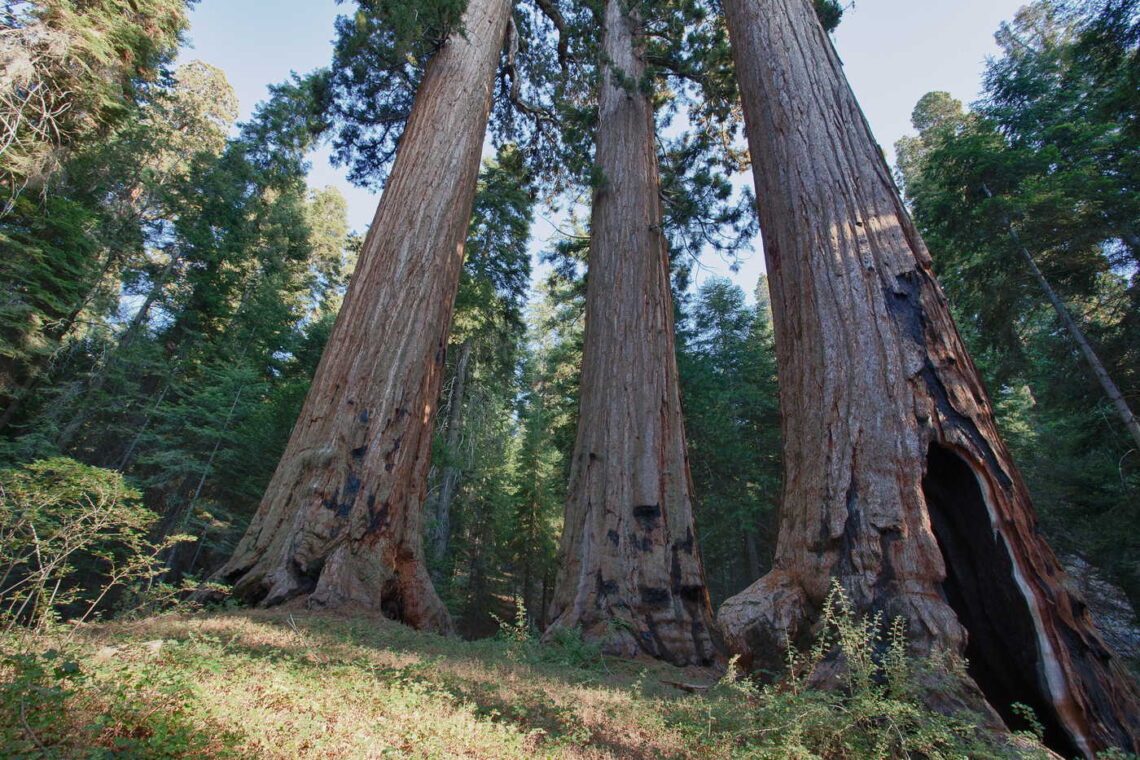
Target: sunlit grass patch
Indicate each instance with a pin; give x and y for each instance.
(297, 685)
(281, 684)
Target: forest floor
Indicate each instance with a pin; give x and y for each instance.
(300, 685)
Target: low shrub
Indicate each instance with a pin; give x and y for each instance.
(70, 536)
(50, 706)
(876, 713)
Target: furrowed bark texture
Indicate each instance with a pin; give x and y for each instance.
(341, 520)
(631, 574)
(896, 481)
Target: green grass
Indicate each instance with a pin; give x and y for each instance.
(275, 684)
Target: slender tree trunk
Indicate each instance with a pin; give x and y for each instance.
(140, 317)
(106, 459)
(341, 520)
(895, 480)
(754, 564)
(449, 482)
(629, 555)
(176, 522)
(547, 593)
(134, 327)
(525, 592)
(1123, 411)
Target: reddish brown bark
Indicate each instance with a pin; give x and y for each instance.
(896, 481)
(631, 574)
(341, 520)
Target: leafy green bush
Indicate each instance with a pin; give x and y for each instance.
(567, 647)
(830, 13)
(1117, 754)
(515, 631)
(70, 535)
(563, 646)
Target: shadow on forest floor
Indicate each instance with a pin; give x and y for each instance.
(283, 683)
(302, 685)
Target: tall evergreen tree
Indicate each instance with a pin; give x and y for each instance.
(103, 226)
(916, 507)
(629, 554)
(341, 519)
(728, 378)
(71, 71)
(486, 333)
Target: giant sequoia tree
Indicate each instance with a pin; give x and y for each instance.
(1050, 143)
(341, 519)
(631, 574)
(896, 482)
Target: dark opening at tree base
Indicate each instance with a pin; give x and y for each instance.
(980, 586)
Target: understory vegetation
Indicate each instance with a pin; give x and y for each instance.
(297, 684)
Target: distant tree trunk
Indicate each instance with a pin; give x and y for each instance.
(754, 565)
(449, 482)
(629, 555)
(110, 458)
(140, 317)
(480, 602)
(1107, 384)
(895, 482)
(176, 520)
(341, 520)
(547, 592)
(525, 593)
(64, 440)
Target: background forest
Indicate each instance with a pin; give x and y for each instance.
(168, 282)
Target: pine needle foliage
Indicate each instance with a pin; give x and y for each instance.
(70, 70)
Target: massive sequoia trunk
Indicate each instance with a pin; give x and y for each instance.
(341, 520)
(631, 574)
(896, 481)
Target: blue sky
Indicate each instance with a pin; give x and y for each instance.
(894, 51)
